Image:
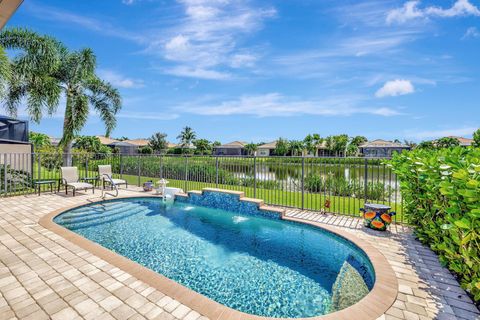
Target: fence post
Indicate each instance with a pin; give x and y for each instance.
(39, 166)
(138, 173)
(86, 166)
(303, 183)
(121, 166)
(186, 173)
(216, 172)
(161, 166)
(254, 176)
(365, 182)
(5, 173)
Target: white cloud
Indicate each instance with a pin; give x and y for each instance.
(277, 105)
(394, 88)
(118, 80)
(471, 32)
(432, 134)
(411, 11)
(147, 115)
(208, 36)
(200, 73)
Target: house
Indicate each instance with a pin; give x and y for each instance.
(106, 141)
(234, 148)
(381, 148)
(15, 150)
(464, 142)
(267, 149)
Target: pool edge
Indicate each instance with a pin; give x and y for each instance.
(372, 306)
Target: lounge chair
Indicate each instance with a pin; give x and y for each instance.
(70, 179)
(105, 176)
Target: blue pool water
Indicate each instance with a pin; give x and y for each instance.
(250, 263)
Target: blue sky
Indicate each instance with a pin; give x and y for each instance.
(256, 70)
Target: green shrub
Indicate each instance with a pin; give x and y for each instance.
(441, 192)
(340, 186)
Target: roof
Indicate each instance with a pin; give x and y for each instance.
(7, 8)
(54, 141)
(463, 141)
(106, 140)
(171, 145)
(233, 145)
(138, 142)
(379, 143)
(270, 145)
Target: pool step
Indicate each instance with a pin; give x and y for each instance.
(97, 208)
(105, 219)
(92, 216)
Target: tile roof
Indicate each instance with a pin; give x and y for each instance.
(105, 140)
(379, 143)
(270, 145)
(233, 145)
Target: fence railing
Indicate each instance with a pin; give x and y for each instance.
(338, 185)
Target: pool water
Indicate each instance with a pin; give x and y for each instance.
(253, 264)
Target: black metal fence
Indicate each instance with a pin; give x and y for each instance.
(338, 185)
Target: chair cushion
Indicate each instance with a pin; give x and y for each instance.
(80, 185)
(118, 181)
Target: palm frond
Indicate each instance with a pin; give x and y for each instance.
(106, 100)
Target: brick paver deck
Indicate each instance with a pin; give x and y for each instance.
(44, 276)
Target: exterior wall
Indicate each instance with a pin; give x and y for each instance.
(264, 152)
(229, 152)
(380, 152)
(16, 156)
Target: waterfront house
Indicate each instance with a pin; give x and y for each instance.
(234, 148)
(267, 149)
(381, 148)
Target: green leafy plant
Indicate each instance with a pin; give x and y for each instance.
(441, 193)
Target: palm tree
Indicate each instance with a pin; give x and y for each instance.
(39, 140)
(4, 71)
(158, 142)
(310, 144)
(317, 140)
(250, 148)
(296, 147)
(71, 73)
(186, 137)
(282, 147)
(203, 146)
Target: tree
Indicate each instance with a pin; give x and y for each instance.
(186, 138)
(281, 147)
(410, 143)
(251, 148)
(90, 144)
(354, 146)
(426, 145)
(5, 71)
(296, 147)
(216, 144)
(53, 70)
(317, 140)
(447, 142)
(358, 140)
(145, 150)
(39, 140)
(158, 142)
(310, 144)
(202, 146)
(476, 139)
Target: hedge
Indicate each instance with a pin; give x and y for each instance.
(441, 193)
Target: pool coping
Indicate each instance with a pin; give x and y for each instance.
(373, 305)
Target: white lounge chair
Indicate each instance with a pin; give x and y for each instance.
(105, 176)
(70, 179)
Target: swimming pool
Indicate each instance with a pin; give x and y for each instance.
(250, 263)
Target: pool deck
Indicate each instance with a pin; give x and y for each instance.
(45, 276)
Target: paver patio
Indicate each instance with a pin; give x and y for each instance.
(44, 276)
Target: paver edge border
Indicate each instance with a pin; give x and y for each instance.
(373, 305)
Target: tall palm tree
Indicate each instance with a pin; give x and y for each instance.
(4, 71)
(186, 137)
(71, 73)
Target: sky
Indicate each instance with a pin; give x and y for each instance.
(256, 70)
